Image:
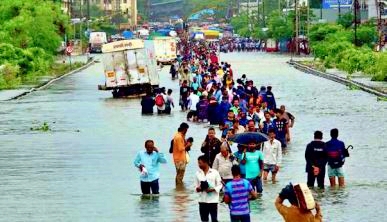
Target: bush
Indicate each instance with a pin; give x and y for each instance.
(346, 20)
(356, 60)
(366, 35)
(381, 67)
(319, 32)
(9, 76)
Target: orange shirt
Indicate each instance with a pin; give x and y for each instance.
(294, 214)
(179, 148)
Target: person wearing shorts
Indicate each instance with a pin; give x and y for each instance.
(272, 155)
(335, 172)
(335, 152)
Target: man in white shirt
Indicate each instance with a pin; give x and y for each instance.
(223, 163)
(193, 100)
(208, 184)
(272, 153)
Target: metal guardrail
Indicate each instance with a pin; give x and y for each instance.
(345, 81)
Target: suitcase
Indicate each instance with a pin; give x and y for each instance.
(304, 196)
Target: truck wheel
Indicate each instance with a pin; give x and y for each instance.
(115, 94)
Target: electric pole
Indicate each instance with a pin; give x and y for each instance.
(357, 20)
(296, 26)
(88, 9)
(263, 13)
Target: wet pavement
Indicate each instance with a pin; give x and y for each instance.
(82, 169)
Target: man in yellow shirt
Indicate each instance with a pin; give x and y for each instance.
(293, 213)
(180, 147)
(220, 72)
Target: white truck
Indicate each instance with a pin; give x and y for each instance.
(165, 48)
(96, 40)
(130, 68)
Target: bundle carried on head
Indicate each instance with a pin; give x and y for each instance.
(304, 196)
(299, 195)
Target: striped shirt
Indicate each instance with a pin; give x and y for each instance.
(238, 190)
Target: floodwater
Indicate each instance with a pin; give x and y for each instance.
(83, 169)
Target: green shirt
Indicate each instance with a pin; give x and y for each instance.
(252, 164)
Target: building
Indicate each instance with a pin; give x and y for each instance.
(65, 6)
(125, 7)
(249, 6)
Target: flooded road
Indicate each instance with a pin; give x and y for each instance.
(82, 170)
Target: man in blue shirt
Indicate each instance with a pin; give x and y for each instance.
(281, 127)
(267, 124)
(224, 107)
(217, 93)
(237, 194)
(335, 152)
(148, 162)
(271, 104)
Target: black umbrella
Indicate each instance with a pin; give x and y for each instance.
(246, 138)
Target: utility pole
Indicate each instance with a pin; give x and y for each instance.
(339, 7)
(263, 13)
(296, 26)
(238, 6)
(308, 18)
(356, 11)
(88, 9)
(379, 12)
(279, 6)
(321, 9)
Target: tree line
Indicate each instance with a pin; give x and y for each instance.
(31, 32)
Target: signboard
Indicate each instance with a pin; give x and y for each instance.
(327, 4)
(123, 45)
(69, 50)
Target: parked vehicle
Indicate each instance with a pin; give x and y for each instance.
(165, 49)
(96, 40)
(130, 68)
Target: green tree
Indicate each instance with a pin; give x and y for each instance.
(280, 27)
(240, 22)
(346, 20)
(34, 23)
(30, 32)
(366, 35)
(319, 32)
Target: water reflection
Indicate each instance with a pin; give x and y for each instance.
(181, 202)
(148, 205)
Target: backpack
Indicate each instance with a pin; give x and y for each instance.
(159, 100)
(171, 147)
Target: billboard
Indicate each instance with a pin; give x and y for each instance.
(327, 4)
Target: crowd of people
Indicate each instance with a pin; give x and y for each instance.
(241, 45)
(239, 175)
(208, 93)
